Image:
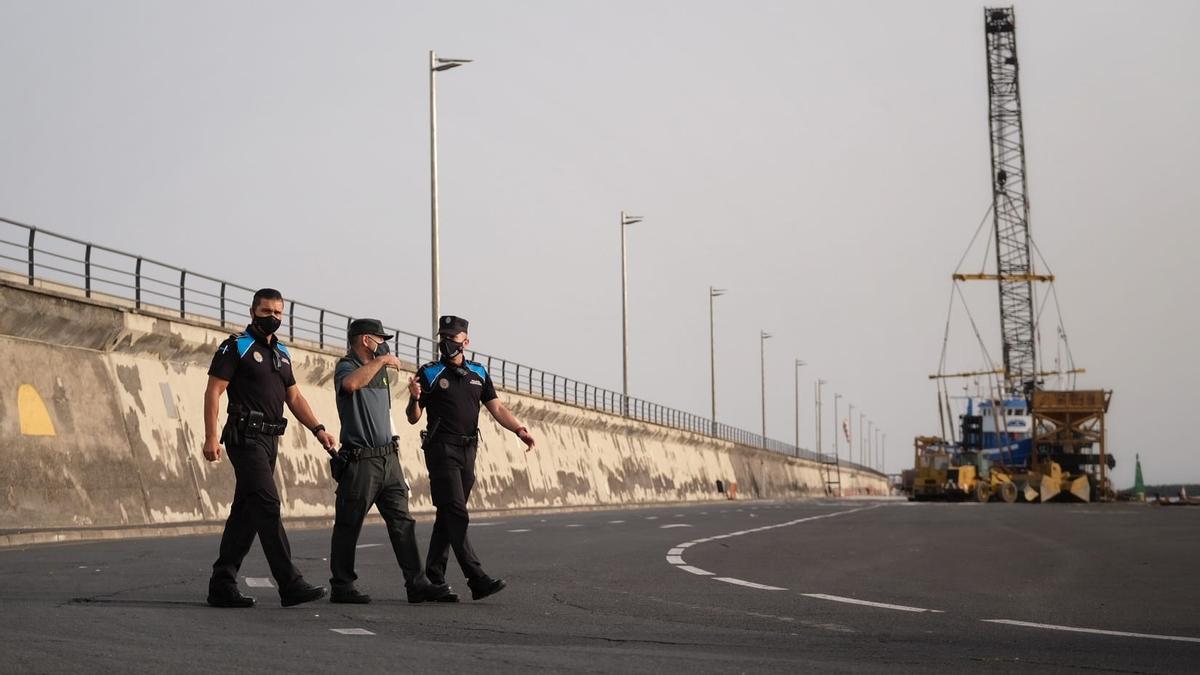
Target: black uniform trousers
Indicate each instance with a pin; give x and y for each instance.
(378, 481)
(255, 511)
(451, 476)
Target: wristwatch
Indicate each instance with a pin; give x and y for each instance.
(317, 429)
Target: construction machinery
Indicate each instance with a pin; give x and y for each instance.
(1023, 441)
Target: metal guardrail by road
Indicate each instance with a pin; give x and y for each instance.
(158, 287)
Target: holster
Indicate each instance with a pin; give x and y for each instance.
(427, 435)
(253, 423)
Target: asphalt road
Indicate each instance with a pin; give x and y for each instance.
(720, 587)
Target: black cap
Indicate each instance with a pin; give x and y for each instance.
(368, 327)
(451, 325)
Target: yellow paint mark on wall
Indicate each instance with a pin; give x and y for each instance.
(35, 419)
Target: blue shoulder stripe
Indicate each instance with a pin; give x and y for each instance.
(477, 369)
(282, 348)
(244, 341)
(431, 372)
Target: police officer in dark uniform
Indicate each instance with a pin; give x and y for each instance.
(367, 467)
(452, 389)
(255, 369)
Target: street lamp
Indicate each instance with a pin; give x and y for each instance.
(836, 397)
(862, 440)
(877, 442)
(763, 336)
(817, 405)
(799, 364)
(712, 352)
(870, 436)
(626, 221)
(436, 65)
(883, 455)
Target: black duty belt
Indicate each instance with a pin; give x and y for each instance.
(454, 439)
(254, 423)
(354, 454)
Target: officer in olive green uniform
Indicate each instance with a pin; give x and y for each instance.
(370, 467)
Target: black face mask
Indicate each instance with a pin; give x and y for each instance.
(266, 324)
(382, 350)
(450, 348)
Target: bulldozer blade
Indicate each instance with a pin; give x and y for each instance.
(1031, 493)
(1049, 489)
(1081, 489)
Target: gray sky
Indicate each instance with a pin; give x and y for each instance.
(827, 162)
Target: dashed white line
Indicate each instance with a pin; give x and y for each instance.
(351, 631)
(868, 603)
(522, 530)
(615, 522)
(1093, 631)
(749, 584)
(575, 525)
(368, 545)
(675, 560)
(651, 517)
(672, 525)
(259, 582)
(678, 550)
(694, 570)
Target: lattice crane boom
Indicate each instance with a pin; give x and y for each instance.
(1010, 204)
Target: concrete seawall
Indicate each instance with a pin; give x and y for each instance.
(101, 412)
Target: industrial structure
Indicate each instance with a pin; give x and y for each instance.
(1022, 440)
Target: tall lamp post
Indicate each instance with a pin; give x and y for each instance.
(836, 398)
(883, 455)
(870, 437)
(817, 405)
(626, 221)
(799, 364)
(850, 436)
(862, 440)
(436, 65)
(712, 351)
(763, 336)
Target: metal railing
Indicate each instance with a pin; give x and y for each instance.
(157, 287)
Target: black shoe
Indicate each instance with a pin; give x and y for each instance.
(349, 596)
(450, 596)
(428, 593)
(485, 586)
(230, 597)
(299, 593)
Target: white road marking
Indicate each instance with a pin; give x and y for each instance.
(1094, 631)
(351, 631)
(749, 584)
(368, 545)
(259, 582)
(487, 524)
(615, 522)
(651, 517)
(520, 530)
(575, 525)
(671, 525)
(868, 603)
(675, 556)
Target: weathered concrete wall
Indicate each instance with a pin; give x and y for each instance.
(101, 413)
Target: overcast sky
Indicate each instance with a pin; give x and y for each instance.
(827, 162)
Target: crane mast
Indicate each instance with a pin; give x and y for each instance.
(1010, 204)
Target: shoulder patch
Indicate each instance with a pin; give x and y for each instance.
(283, 349)
(476, 368)
(432, 371)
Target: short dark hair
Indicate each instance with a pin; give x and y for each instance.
(264, 294)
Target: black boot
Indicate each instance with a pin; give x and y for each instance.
(299, 593)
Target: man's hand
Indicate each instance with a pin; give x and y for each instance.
(212, 449)
(526, 438)
(327, 440)
(390, 361)
(414, 387)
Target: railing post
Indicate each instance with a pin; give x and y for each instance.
(222, 304)
(321, 330)
(87, 271)
(137, 284)
(32, 234)
(543, 385)
(182, 294)
(292, 321)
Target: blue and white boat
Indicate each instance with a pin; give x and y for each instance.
(999, 429)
